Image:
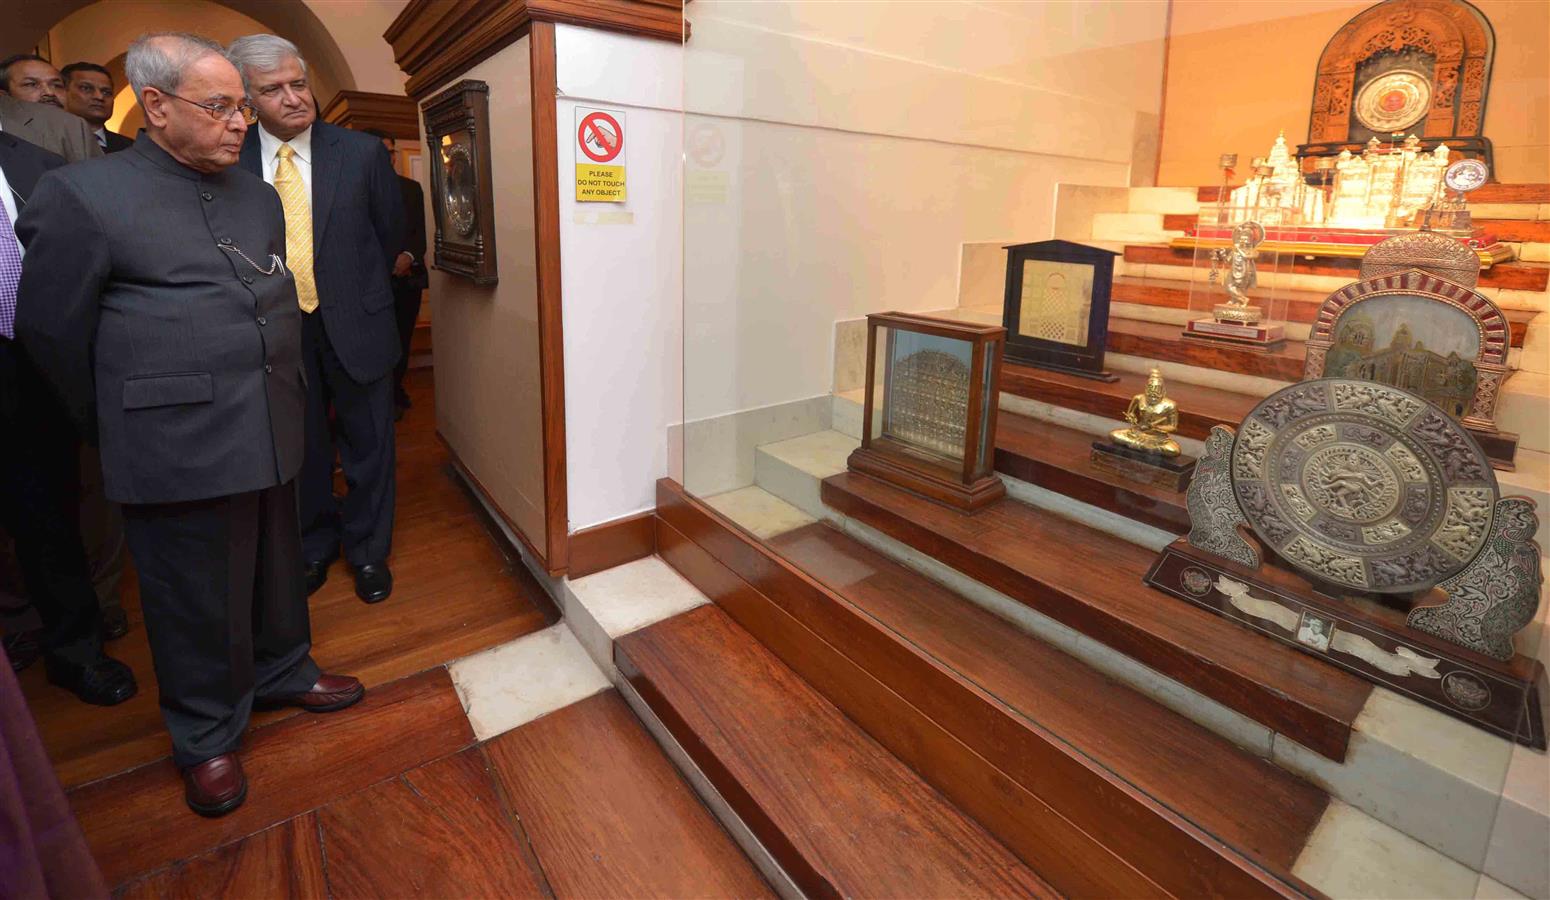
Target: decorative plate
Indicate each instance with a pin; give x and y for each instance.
(1363, 485)
(1465, 175)
(462, 193)
(1394, 100)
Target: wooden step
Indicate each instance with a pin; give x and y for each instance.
(606, 813)
(1301, 306)
(1521, 276)
(1200, 408)
(1495, 192)
(1509, 230)
(1248, 804)
(1082, 825)
(841, 815)
(1058, 459)
(1161, 341)
(1092, 582)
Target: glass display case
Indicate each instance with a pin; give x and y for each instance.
(1235, 298)
(929, 414)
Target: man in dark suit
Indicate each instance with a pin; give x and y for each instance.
(409, 276)
(48, 127)
(344, 223)
(37, 478)
(156, 299)
(89, 94)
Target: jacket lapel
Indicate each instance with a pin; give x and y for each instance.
(326, 166)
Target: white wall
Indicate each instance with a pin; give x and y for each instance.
(621, 275)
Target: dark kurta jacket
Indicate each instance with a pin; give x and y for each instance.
(183, 357)
(357, 231)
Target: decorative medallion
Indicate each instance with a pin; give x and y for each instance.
(1433, 253)
(1195, 580)
(1466, 175)
(1394, 101)
(1363, 485)
(462, 201)
(1466, 690)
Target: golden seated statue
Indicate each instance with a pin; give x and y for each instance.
(1152, 418)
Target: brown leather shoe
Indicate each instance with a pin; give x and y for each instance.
(216, 786)
(332, 692)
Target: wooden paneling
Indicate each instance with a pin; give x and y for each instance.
(137, 822)
(1091, 581)
(1047, 697)
(436, 831)
(1200, 408)
(611, 544)
(607, 814)
(282, 861)
(434, 41)
(1057, 458)
(1301, 306)
(1156, 340)
(1495, 192)
(841, 814)
(1013, 769)
(393, 113)
(455, 593)
(1521, 276)
(551, 344)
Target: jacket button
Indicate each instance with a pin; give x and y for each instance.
(262, 321)
(247, 279)
(225, 240)
(207, 195)
(268, 368)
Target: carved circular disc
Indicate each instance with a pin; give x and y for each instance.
(1363, 485)
(1433, 253)
(461, 192)
(1394, 100)
(1465, 175)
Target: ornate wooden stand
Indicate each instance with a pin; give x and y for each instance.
(1363, 637)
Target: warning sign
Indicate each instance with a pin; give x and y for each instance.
(599, 156)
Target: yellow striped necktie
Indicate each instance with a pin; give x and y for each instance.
(298, 227)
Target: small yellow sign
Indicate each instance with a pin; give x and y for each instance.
(599, 184)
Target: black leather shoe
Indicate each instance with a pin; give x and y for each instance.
(115, 623)
(373, 582)
(105, 682)
(317, 573)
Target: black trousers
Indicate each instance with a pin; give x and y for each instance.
(225, 603)
(362, 429)
(407, 296)
(39, 469)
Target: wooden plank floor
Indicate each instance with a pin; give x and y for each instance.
(455, 593)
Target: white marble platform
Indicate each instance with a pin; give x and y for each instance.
(517, 682)
(607, 605)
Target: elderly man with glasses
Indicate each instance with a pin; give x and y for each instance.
(156, 298)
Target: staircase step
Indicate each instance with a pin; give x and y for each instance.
(1522, 276)
(1200, 408)
(1092, 582)
(1040, 692)
(840, 814)
(1301, 306)
(1159, 340)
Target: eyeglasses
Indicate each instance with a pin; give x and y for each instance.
(220, 111)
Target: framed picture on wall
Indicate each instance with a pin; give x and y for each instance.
(457, 138)
(1056, 310)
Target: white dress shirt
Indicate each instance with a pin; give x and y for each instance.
(269, 148)
(102, 136)
(12, 208)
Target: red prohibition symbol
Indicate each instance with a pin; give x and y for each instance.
(600, 137)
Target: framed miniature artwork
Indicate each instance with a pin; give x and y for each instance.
(1056, 310)
(457, 133)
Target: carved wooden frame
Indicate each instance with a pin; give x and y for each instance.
(1458, 36)
(463, 106)
(1495, 333)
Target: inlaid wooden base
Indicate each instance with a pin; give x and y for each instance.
(1171, 472)
(1362, 637)
(1261, 337)
(970, 497)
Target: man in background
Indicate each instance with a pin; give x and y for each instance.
(344, 219)
(409, 276)
(156, 300)
(32, 79)
(89, 94)
(45, 126)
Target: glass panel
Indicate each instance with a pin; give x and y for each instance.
(986, 438)
(1056, 301)
(925, 402)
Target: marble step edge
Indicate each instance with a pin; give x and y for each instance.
(1446, 801)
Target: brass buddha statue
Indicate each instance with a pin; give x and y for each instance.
(1152, 417)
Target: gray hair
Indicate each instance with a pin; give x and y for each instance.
(262, 53)
(159, 59)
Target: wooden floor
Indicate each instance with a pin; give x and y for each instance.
(455, 592)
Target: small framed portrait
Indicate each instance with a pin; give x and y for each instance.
(457, 134)
(1056, 310)
(1315, 631)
